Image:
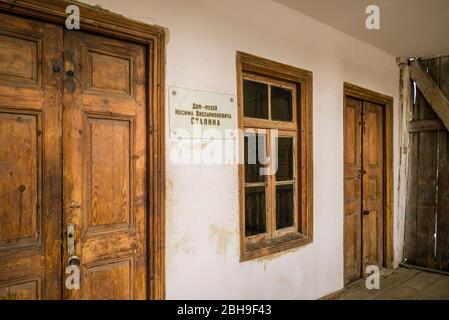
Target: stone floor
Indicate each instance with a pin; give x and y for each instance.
(401, 284)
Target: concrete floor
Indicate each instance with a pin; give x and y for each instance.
(401, 284)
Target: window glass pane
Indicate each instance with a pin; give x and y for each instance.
(281, 104)
(255, 99)
(255, 153)
(255, 210)
(285, 159)
(284, 206)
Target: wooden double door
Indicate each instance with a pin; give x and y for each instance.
(363, 186)
(73, 151)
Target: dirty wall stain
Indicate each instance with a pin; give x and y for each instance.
(222, 236)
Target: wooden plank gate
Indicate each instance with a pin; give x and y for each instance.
(427, 211)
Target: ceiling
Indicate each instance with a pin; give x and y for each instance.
(408, 28)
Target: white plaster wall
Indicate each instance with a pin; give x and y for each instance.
(202, 238)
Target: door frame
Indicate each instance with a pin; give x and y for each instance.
(388, 212)
(106, 23)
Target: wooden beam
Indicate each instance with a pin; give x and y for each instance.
(405, 115)
(431, 91)
(425, 125)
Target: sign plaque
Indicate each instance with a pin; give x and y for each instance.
(196, 114)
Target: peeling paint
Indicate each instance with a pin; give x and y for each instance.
(184, 244)
(168, 189)
(222, 236)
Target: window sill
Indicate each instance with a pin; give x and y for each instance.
(270, 246)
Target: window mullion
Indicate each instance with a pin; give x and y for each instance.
(296, 177)
(271, 189)
(273, 203)
(269, 102)
(268, 184)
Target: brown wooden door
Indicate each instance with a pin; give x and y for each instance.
(352, 189)
(30, 160)
(71, 154)
(363, 187)
(105, 166)
(372, 185)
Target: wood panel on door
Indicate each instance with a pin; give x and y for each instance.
(30, 160)
(363, 187)
(352, 189)
(372, 185)
(105, 166)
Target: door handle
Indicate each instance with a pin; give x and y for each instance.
(74, 261)
(365, 212)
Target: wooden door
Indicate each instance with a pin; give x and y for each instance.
(352, 189)
(73, 150)
(372, 185)
(30, 160)
(104, 165)
(363, 187)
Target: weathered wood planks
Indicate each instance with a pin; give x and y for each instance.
(427, 212)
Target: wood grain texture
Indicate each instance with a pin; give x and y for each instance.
(105, 172)
(373, 186)
(110, 73)
(109, 178)
(363, 186)
(405, 107)
(352, 189)
(412, 200)
(113, 25)
(431, 91)
(442, 243)
(30, 160)
(427, 227)
(380, 186)
(19, 179)
(19, 55)
(426, 187)
(425, 125)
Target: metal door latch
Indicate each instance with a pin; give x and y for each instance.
(70, 239)
(65, 64)
(361, 173)
(73, 279)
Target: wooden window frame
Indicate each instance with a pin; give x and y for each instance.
(106, 23)
(259, 69)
